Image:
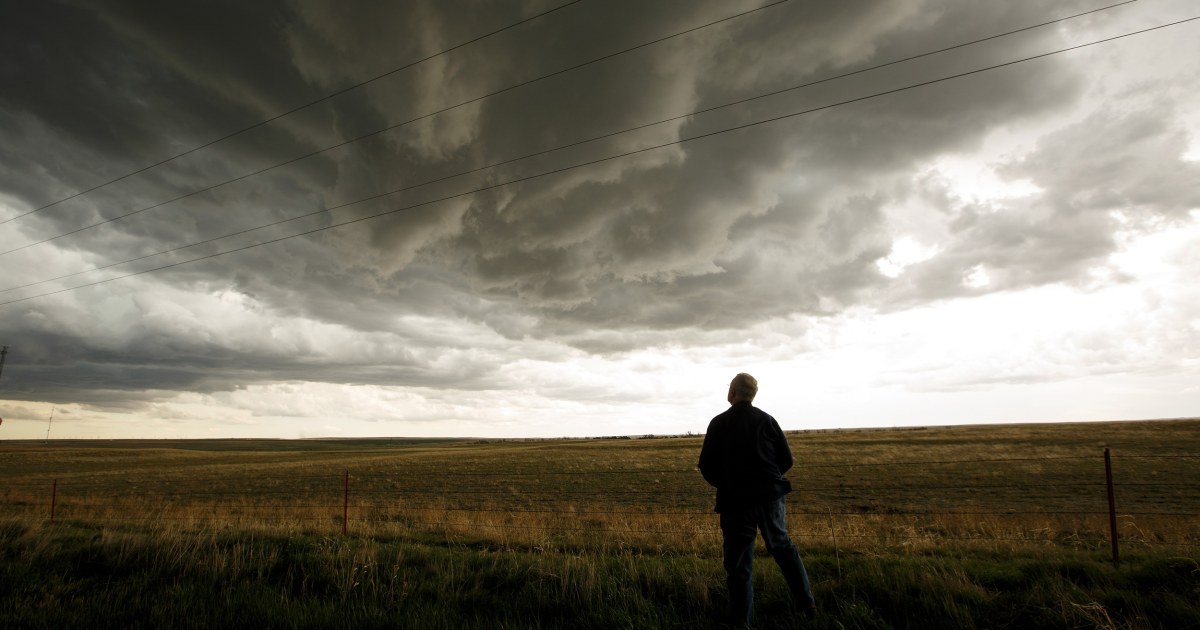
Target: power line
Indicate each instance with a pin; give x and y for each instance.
(395, 126)
(554, 149)
(614, 157)
(294, 110)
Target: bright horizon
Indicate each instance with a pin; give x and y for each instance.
(569, 438)
(1018, 245)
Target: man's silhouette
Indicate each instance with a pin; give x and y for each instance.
(744, 457)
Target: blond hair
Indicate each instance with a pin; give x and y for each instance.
(744, 387)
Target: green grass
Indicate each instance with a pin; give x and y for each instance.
(898, 528)
(72, 576)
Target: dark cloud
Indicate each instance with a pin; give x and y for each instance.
(777, 220)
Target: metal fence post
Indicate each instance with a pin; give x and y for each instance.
(345, 503)
(53, 498)
(1112, 506)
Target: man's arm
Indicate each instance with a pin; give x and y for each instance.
(783, 452)
(710, 464)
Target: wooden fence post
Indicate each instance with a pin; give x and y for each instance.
(53, 499)
(345, 502)
(1112, 506)
(836, 553)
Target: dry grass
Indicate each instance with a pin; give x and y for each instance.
(900, 489)
(995, 526)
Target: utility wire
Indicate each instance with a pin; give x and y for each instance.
(615, 157)
(395, 126)
(294, 110)
(554, 149)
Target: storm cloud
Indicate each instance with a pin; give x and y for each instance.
(655, 227)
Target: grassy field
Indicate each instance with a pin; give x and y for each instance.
(987, 527)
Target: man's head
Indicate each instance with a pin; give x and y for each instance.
(742, 388)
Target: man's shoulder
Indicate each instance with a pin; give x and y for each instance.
(742, 412)
(757, 418)
(734, 411)
(747, 409)
(723, 420)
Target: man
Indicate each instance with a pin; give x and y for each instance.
(744, 457)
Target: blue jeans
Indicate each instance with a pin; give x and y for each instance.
(740, 528)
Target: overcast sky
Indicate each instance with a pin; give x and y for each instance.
(1018, 244)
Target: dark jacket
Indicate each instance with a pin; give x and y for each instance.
(744, 457)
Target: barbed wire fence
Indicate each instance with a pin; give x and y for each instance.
(1048, 500)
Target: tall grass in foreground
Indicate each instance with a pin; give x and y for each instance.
(65, 575)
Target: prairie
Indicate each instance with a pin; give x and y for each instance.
(970, 526)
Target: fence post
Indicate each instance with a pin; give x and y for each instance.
(1112, 505)
(345, 502)
(53, 499)
(836, 553)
